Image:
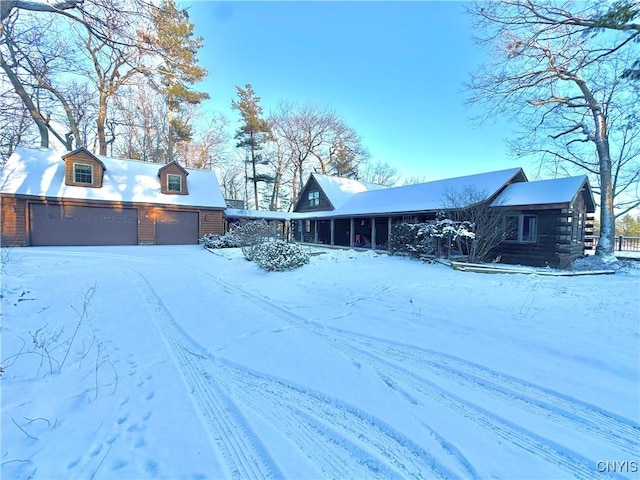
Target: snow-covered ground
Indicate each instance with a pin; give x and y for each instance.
(174, 362)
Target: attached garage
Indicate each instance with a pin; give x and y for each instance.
(176, 227)
(50, 197)
(57, 224)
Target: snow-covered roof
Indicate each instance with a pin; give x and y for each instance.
(544, 192)
(429, 196)
(338, 189)
(258, 214)
(40, 173)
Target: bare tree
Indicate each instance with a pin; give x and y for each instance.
(316, 139)
(207, 151)
(40, 49)
(381, 173)
(302, 131)
(231, 178)
(281, 159)
(467, 204)
(14, 123)
(143, 128)
(563, 84)
(111, 68)
(28, 73)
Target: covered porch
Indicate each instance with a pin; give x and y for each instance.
(357, 232)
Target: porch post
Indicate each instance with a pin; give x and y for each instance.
(315, 231)
(373, 233)
(351, 232)
(332, 232)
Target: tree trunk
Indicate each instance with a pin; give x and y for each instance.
(170, 144)
(606, 244)
(100, 122)
(255, 183)
(273, 204)
(294, 186)
(606, 241)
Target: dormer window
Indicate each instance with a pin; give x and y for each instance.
(82, 173)
(174, 183)
(173, 179)
(314, 198)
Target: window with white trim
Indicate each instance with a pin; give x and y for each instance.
(314, 198)
(174, 183)
(82, 173)
(521, 228)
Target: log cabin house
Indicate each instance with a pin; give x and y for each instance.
(544, 221)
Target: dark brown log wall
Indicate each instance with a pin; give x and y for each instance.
(554, 246)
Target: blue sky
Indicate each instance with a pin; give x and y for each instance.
(394, 71)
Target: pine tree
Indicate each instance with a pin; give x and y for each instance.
(252, 135)
(173, 40)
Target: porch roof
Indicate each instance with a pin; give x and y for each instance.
(241, 214)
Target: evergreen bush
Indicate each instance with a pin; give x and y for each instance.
(432, 238)
(228, 240)
(277, 256)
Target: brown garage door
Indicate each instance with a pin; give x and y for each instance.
(176, 228)
(75, 225)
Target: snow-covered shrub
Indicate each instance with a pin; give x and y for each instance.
(433, 238)
(212, 240)
(279, 255)
(412, 238)
(251, 234)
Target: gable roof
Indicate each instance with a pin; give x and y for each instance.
(545, 192)
(40, 173)
(84, 150)
(174, 162)
(429, 196)
(339, 189)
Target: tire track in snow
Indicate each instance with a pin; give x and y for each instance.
(385, 362)
(241, 449)
(338, 423)
(545, 449)
(333, 450)
(195, 363)
(338, 450)
(542, 402)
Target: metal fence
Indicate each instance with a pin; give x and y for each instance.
(627, 244)
(622, 243)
